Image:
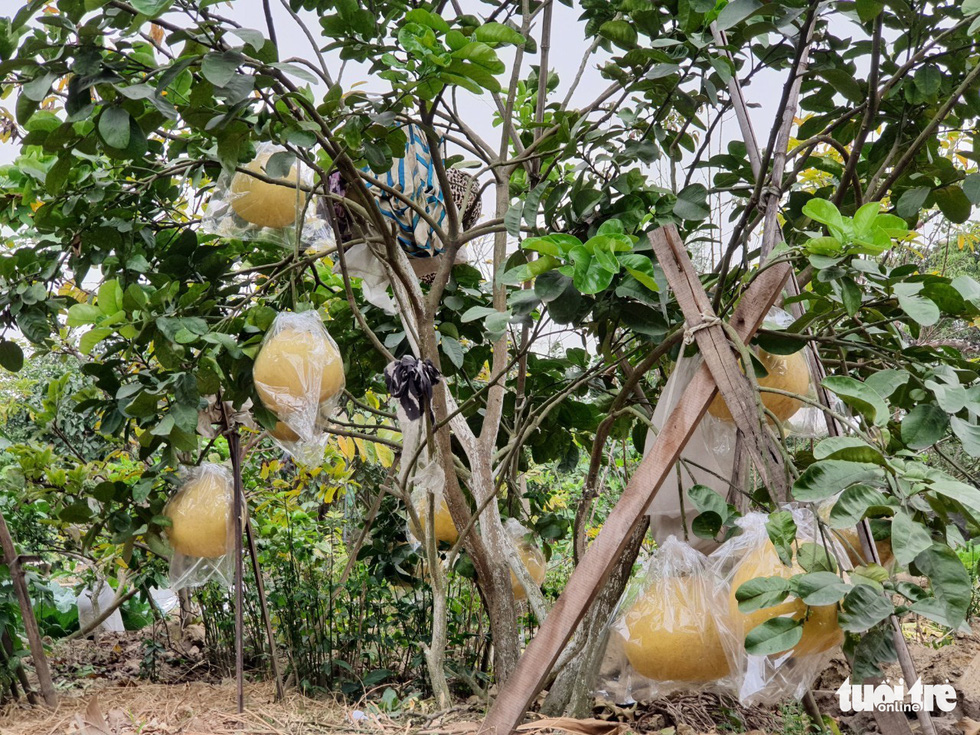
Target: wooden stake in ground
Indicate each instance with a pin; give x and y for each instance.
(590, 575)
(234, 448)
(12, 560)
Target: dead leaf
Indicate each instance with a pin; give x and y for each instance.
(94, 722)
(969, 726)
(588, 726)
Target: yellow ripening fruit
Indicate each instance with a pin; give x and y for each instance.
(289, 365)
(852, 544)
(200, 515)
(672, 636)
(283, 433)
(534, 561)
(820, 630)
(445, 529)
(786, 372)
(262, 203)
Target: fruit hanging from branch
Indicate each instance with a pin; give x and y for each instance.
(785, 372)
(263, 203)
(200, 513)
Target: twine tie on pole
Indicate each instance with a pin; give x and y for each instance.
(707, 321)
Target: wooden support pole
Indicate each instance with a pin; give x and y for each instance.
(716, 350)
(12, 560)
(587, 579)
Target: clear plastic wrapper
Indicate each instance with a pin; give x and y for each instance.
(202, 533)
(530, 555)
(785, 675)
(246, 207)
(847, 537)
(299, 376)
(431, 480)
(671, 632)
(707, 459)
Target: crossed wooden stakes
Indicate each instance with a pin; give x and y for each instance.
(719, 372)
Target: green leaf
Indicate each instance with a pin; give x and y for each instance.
(911, 202)
(821, 588)
(110, 297)
(950, 583)
(498, 33)
(761, 592)
(924, 425)
(953, 203)
(849, 448)
(80, 314)
(453, 350)
(859, 396)
(853, 504)
(707, 500)
(824, 212)
(692, 203)
(968, 434)
(735, 12)
(827, 477)
(620, 32)
(152, 8)
(971, 184)
(11, 355)
(909, 538)
(970, 7)
(92, 337)
(476, 312)
(114, 127)
(863, 608)
(220, 69)
(588, 275)
(781, 529)
(774, 636)
(851, 295)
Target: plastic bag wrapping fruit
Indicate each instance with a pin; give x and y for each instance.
(268, 201)
(773, 678)
(430, 481)
(530, 555)
(841, 527)
(707, 459)
(299, 376)
(202, 533)
(671, 632)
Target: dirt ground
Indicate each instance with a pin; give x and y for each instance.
(102, 694)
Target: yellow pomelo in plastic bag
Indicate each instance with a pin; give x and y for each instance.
(283, 433)
(534, 561)
(290, 364)
(262, 203)
(671, 636)
(445, 529)
(852, 544)
(821, 630)
(786, 372)
(200, 514)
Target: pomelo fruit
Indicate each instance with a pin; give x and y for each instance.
(786, 372)
(290, 364)
(200, 513)
(852, 543)
(445, 529)
(671, 635)
(534, 561)
(820, 629)
(262, 203)
(283, 433)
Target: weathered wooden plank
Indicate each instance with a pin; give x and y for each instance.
(717, 353)
(522, 687)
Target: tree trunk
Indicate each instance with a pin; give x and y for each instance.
(571, 694)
